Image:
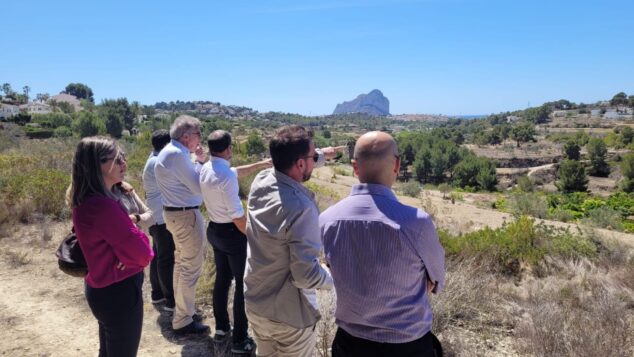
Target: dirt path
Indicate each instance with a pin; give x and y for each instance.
(43, 312)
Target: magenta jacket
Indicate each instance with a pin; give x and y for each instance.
(107, 236)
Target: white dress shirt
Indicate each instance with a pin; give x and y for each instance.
(152, 193)
(177, 176)
(219, 186)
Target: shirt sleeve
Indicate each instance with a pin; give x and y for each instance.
(431, 252)
(187, 172)
(144, 212)
(231, 197)
(322, 158)
(304, 243)
(129, 243)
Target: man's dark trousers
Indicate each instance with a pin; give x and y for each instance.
(346, 345)
(230, 255)
(163, 245)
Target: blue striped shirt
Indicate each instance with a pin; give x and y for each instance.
(381, 253)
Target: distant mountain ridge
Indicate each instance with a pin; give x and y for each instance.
(374, 103)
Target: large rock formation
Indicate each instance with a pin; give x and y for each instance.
(374, 103)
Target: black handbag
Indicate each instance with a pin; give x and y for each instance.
(70, 257)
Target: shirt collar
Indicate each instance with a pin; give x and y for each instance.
(282, 177)
(180, 146)
(220, 160)
(373, 189)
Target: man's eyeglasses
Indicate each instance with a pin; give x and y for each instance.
(315, 157)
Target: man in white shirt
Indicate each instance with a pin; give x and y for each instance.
(177, 179)
(219, 186)
(162, 266)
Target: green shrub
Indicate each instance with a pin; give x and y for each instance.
(342, 170)
(525, 184)
(62, 132)
(623, 202)
(38, 133)
(604, 217)
(564, 215)
(410, 188)
(521, 241)
(592, 204)
(528, 204)
(500, 204)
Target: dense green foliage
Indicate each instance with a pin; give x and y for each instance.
(436, 158)
(572, 151)
(572, 177)
(80, 90)
(627, 170)
(597, 152)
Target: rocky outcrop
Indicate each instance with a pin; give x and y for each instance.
(374, 103)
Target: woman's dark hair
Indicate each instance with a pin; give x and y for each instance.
(218, 141)
(289, 144)
(86, 177)
(160, 138)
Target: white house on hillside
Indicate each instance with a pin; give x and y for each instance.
(8, 110)
(36, 108)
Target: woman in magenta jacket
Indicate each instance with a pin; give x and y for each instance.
(116, 251)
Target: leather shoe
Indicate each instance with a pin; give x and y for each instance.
(198, 317)
(194, 328)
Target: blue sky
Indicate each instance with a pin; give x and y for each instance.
(452, 57)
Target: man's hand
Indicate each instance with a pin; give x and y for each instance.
(330, 152)
(430, 286)
(201, 155)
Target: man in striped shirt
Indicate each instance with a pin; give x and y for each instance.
(385, 258)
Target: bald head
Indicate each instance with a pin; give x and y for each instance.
(375, 158)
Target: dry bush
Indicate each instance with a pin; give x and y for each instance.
(205, 285)
(326, 327)
(18, 258)
(469, 298)
(582, 310)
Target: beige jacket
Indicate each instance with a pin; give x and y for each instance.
(284, 243)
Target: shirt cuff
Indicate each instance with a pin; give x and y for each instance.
(322, 158)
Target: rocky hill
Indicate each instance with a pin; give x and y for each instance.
(374, 103)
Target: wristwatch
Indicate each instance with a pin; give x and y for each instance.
(138, 218)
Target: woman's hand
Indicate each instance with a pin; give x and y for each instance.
(119, 266)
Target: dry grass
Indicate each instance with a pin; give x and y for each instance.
(580, 310)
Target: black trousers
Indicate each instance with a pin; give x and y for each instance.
(230, 255)
(163, 263)
(118, 309)
(346, 345)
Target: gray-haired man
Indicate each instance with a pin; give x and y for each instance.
(177, 179)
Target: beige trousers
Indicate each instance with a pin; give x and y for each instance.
(275, 339)
(188, 230)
